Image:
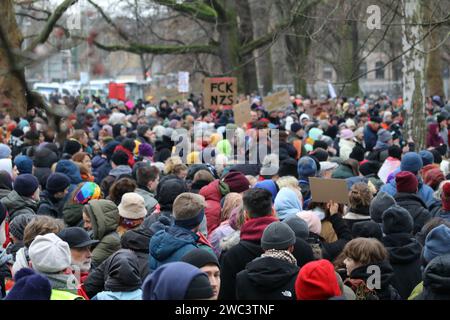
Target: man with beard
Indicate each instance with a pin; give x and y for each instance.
(80, 248)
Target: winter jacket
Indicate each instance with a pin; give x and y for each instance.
(425, 192)
(213, 208)
(171, 245)
(416, 207)
(100, 168)
(138, 241)
(386, 291)
(343, 172)
(104, 217)
(5, 260)
(17, 205)
(121, 274)
(235, 259)
(436, 280)
(50, 206)
(267, 278)
(73, 211)
(356, 215)
(149, 199)
(404, 256)
(306, 192)
(370, 137)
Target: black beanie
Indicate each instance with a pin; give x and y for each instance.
(57, 182)
(437, 156)
(44, 158)
(129, 144)
(397, 220)
(199, 288)
(26, 184)
(370, 167)
(288, 167)
(71, 147)
(120, 158)
(200, 258)
(320, 144)
(367, 229)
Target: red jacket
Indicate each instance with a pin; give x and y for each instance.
(213, 209)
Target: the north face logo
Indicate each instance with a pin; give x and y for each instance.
(287, 294)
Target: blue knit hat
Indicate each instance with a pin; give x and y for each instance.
(427, 157)
(411, 162)
(306, 167)
(5, 151)
(30, 285)
(437, 243)
(24, 164)
(26, 184)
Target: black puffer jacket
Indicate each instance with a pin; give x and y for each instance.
(120, 272)
(416, 207)
(267, 279)
(404, 256)
(138, 241)
(436, 280)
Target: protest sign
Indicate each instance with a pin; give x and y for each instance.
(279, 100)
(324, 190)
(389, 166)
(183, 82)
(242, 113)
(220, 92)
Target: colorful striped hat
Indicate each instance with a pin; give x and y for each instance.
(88, 191)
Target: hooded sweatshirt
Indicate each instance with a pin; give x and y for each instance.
(404, 256)
(122, 278)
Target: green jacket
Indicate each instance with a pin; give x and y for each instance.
(17, 205)
(105, 218)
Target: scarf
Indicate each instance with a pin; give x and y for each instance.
(130, 223)
(253, 229)
(281, 255)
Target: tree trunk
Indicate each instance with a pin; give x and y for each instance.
(435, 83)
(264, 68)
(413, 73)
(346, 67)
(12, 93)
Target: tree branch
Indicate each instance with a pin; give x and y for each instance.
(48, 28)
(197, 9)
(122, 34)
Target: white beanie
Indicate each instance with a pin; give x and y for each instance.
(49, 254)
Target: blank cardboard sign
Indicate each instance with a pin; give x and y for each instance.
(324, 190)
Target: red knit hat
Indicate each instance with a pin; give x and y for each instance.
(445, 196)
(406, 182)
(433, 178)
(236, 181)
(317, 281)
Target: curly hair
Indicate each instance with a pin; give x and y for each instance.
(360, 195)
(120, 187)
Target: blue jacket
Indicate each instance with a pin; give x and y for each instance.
(425, 192)
(100, 168)
(171, 245)
(109, 295)
(370, 138)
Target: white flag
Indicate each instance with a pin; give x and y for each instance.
(331, 91)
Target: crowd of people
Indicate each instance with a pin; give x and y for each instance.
(114, 210)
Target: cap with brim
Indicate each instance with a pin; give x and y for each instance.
(84, 244)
